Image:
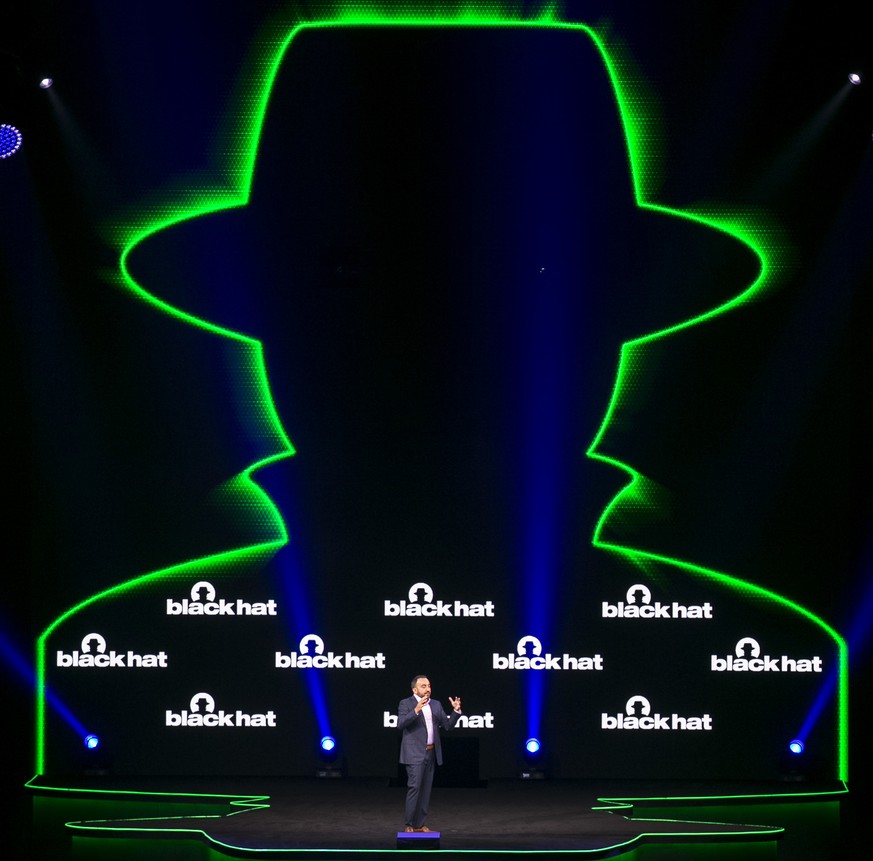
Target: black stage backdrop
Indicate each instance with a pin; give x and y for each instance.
(441, 256)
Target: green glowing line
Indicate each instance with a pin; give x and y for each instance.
(627, 800)
(255, 802)
(238, 172)
(614, 805)
(747, 831)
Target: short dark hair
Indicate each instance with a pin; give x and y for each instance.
(416, 678)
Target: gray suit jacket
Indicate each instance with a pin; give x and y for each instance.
(413, 743)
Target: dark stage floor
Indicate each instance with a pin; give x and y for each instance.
(343, 818)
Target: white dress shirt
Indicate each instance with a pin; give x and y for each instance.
(428, 718)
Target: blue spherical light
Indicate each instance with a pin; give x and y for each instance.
(796, 746)
(532, 745)
(92, 742)
(328, 743)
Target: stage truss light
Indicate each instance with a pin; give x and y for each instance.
(854, 78)
(91, 742)
(796, 746)
(328, 744)
(46, 83)
(10, 140)
(532, 746)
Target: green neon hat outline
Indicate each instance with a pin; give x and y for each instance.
(238, 172)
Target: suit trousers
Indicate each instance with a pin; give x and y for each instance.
(419, 782)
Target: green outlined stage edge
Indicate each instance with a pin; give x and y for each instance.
(632, 829)
(231, 189)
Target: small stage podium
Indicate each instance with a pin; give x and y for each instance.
(418, 840)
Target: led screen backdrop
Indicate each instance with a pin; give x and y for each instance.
(413, 382)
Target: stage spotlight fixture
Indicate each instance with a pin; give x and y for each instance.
(96, 758)
(533, 766)
(799, 763)
(328, 753)
(45, 83)
(854, 78)
(10, 140)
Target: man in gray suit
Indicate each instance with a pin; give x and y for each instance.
(420, 720)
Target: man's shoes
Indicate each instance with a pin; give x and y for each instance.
(409, 828)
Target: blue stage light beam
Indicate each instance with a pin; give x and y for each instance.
(550, 448)
(25, 670)
(302, 623)
(857, 639)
